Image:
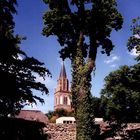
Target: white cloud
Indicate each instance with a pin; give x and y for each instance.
(49, 104)
(134, 52)
(49, 82)
(137, 36)
(113, 65)
(39, 79)
(112, 59)
(20, 57)
(49, 98)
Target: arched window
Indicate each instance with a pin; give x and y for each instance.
(69, 101)
(61, 100)
(65, 101)
(57, 100)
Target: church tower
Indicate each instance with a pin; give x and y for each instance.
(62, 93)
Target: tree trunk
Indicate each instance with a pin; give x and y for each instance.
(81, 97)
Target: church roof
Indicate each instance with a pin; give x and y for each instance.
(63, 71)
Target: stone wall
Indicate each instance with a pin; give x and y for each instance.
(20, 129)
(60, 131)
(68, 132)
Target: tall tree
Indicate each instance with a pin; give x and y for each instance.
(121, 94)
(17, 75)
(82, 26)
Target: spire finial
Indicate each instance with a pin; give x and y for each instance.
(63, 71)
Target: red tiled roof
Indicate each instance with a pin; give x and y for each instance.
(34, 115)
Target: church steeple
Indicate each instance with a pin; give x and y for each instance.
(62, 94)
(63, 71)
(62, 82)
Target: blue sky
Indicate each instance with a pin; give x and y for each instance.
(29, 23)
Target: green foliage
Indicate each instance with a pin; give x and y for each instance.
(17, 75)
(59, 113)
(81, 27)
(50, 114)
(81, 99)
(95, 19)
(97, 107)
(121, 94)
(134, 40)
(62, 112)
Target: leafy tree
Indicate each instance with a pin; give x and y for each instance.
(58, 113)
(50, 114)
(134, 40)
(81, 27)
(17, 75)
(62, 112)
(97, 107)
(121, 94)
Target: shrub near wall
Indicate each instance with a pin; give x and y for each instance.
(19, 129)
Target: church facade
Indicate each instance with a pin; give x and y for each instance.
(62, 95)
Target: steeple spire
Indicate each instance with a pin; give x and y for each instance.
(63, 71)
(62, 95)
